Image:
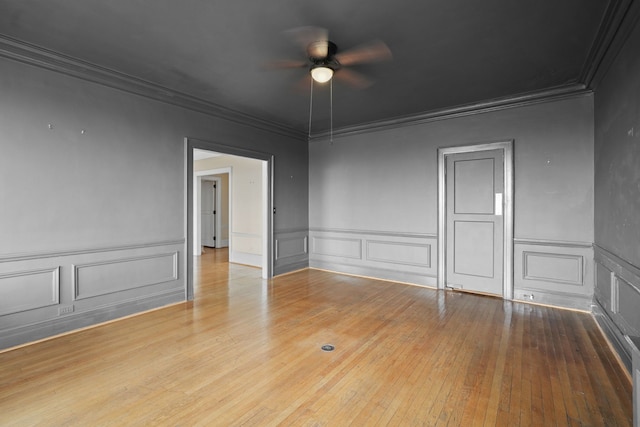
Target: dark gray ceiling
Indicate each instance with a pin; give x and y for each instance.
(446, 53)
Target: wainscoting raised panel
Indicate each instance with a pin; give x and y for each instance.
(101, 278)
(399, 253)
(337, 247)
(405, 257)
(246, 249)
(616, 301)
(44, 294)
(29, 290)
(552, 267)
(291, 247)
(291, 250)
(555, 273)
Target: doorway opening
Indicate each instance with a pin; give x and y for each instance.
(475, 218)
(250, 223)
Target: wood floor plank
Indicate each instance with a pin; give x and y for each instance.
(542, 362)
(437, 364)
(531, 409)
(247, 351)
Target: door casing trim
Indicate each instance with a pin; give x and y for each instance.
(507, 149)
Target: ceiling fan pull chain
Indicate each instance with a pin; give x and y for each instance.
(331, 111)
(310, 107)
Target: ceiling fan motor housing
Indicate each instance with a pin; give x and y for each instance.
(321, 50)
(321, 55)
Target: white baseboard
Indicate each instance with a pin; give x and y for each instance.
(78, 320)
(245, 258)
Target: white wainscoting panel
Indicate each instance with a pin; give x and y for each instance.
(337, 247)
(44, 294)
(247, 243)
(604, 287)
(245, 259)
(553, 267)
(106, 277)
(415, 254)
(404, 257)
(628, 307)
(290, 247)
(29, 290)
(617, 301)
(246, 249)
(555, 273)
(291, 250)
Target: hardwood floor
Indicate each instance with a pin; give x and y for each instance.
(248, 352)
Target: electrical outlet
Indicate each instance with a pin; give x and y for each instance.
(65, 310)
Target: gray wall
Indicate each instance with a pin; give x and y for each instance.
(373, 197)
(92, 209)
(617, 196)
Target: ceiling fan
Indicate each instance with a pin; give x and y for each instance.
(325, 60)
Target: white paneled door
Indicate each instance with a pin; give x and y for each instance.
(208, 213)
(475, 221)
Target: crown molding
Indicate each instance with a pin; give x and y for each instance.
(47, 59)
(43, 58)
(552, 94)
(619, 19)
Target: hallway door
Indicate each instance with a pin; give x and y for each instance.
(208, 213)
(474, 221)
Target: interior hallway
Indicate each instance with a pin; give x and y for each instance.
(248, 352)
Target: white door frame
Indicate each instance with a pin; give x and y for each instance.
(507, 149)
(189, 145)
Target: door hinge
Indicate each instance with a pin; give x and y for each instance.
(214, 212)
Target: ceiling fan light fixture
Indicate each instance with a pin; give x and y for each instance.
(321, 74)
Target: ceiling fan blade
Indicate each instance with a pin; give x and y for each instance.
(302, 85)
(353, 78)
(285, 63)
(313, 40)
(370, 52)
